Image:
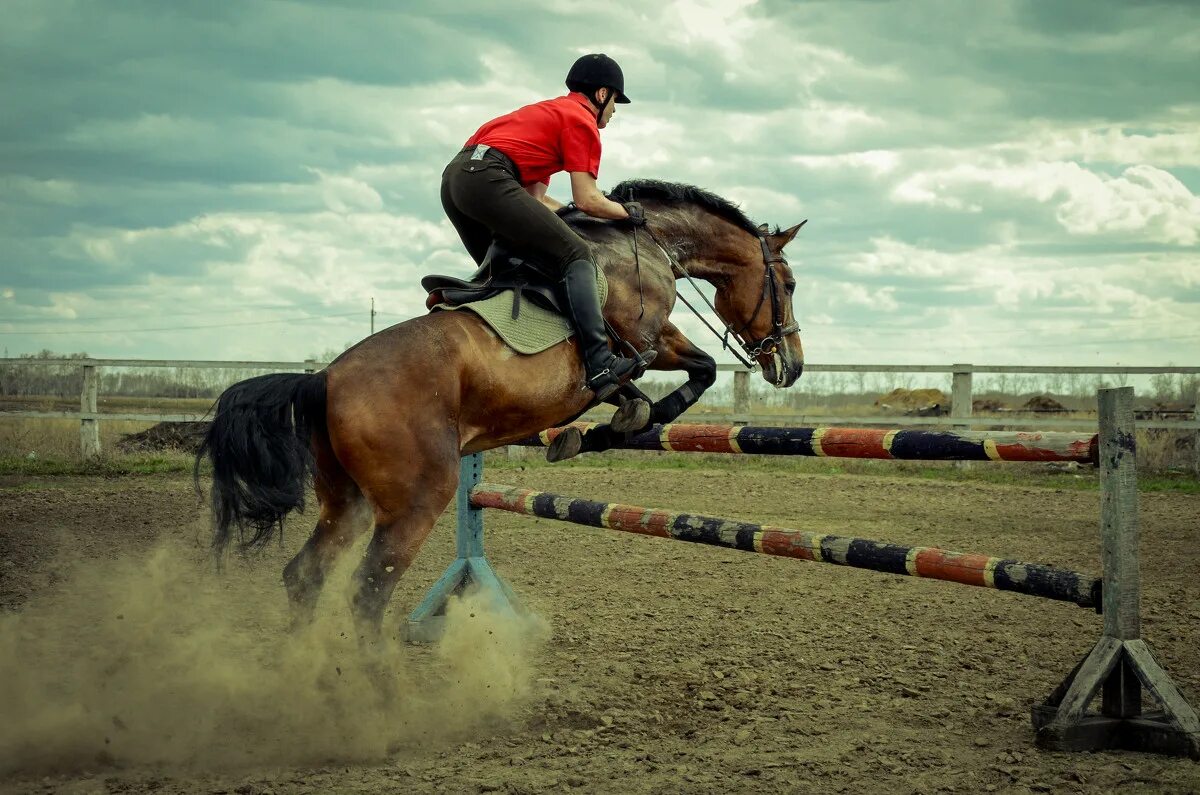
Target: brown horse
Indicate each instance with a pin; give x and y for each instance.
(380, 431)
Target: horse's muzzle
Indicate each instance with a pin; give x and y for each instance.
(781, 368)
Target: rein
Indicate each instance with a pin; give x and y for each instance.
(752, 348)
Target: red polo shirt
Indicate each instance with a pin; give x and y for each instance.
(546, 137)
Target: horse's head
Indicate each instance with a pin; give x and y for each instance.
(712, 239)
(755, 300)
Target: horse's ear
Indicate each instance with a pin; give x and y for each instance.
(781, 239)
(764, 229)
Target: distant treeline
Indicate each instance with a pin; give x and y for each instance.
(66, 379)
(834, 389)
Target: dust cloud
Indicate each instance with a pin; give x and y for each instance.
(154, 659)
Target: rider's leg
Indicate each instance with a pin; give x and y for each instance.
(491, 196)
(475, 235)
(605, 370)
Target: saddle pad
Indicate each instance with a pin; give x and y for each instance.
(536, 330)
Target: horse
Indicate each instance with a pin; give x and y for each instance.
(379, 432)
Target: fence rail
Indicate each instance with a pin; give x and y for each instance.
(961, 414)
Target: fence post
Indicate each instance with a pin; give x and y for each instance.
(1196, 434)
(741, 396)
(960, 393)
(89, 428)
(960, 401)
(310, 366)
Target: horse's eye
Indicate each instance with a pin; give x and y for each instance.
(790, 286)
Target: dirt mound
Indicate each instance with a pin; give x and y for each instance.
(185, 436)
(1043, 403)
(915, 402)
(986, 404)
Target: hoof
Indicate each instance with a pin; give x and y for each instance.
(632, 416)
(566, 445)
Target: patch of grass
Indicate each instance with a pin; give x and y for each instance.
(105, 466)
(1044, 476)
(1174, 482)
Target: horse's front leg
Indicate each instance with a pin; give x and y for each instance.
(633, 409)
(675, 352)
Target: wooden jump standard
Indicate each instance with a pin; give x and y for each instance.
(1117, 668)
(851, 442)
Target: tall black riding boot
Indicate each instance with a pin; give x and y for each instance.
(604, 369)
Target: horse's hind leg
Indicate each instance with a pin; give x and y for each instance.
(409, 495)
(343, 516)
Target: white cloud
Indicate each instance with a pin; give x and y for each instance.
(771, 206)
(344, 194)
(895, 258)
(720, 24)
(1143, 199)
(856, 295)
(877, 162)
(1168, 146)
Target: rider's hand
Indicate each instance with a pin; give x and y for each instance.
(637, 216)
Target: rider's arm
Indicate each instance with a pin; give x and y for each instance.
(538, 191)
(588, 198)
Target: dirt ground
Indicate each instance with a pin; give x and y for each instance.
(127, 665)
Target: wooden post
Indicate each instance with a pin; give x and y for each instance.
(960, 393)
(1196, 435)
(89, 428)
(310, 366)
(960, 401)
(1121, 663)
(741, 396)
(1119, 530)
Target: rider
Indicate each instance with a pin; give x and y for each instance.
(497, 186)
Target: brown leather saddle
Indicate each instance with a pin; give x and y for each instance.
(502, 269)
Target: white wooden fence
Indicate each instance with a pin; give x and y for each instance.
(960, 413)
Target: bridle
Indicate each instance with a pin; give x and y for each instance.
(770, 343)
(753, 348)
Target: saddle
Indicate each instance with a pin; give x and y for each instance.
(502, 269)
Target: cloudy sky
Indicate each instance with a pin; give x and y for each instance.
(997, 183)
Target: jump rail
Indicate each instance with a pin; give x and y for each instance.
(1033, 579)
(1118, 667)
(836, 442)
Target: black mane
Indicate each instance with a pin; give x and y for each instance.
(632, 190)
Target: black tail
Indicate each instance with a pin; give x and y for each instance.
(258, 444)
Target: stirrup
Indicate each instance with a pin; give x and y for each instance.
(606, 382)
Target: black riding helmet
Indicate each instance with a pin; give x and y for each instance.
(594, 71)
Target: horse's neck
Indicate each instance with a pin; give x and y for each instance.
(700, 242)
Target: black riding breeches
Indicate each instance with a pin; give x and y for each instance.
(483, 198)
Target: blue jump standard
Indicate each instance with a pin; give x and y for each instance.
(469, 569)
